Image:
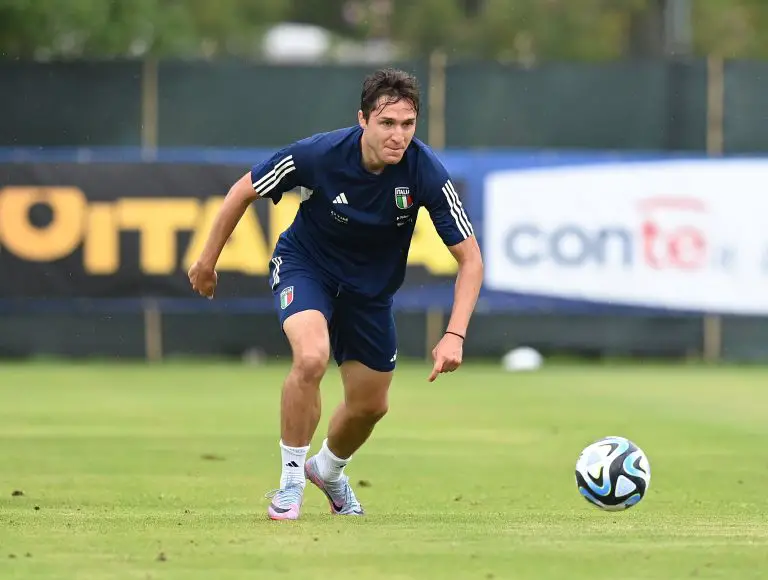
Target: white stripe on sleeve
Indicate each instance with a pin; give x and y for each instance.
(272, 178)
(457, 210)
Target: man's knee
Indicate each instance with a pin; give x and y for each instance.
(366, 391)
(371, 409)
(307, 332)
(310, 364)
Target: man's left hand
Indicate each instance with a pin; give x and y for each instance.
(447, 355)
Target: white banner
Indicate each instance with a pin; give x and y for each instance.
(673, 234)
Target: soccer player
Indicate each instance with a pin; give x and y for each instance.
(335, 270)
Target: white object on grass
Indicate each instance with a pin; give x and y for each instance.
(523, 358)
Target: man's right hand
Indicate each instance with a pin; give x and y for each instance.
(203, 279)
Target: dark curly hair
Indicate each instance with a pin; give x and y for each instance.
(391, 83)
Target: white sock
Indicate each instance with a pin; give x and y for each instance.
(330, 467)
(293, 465)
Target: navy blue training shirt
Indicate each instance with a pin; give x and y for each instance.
(353, 225)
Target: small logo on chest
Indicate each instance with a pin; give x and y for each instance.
(342, 219)
(403, 198)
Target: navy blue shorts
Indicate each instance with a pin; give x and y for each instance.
(360, 329)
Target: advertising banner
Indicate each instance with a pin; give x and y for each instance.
(676, 234)
(117, 230)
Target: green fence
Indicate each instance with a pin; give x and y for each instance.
(649, 105)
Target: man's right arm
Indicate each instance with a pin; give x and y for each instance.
(237, 200)
(285, 170)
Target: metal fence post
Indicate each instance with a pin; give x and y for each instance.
(149, 112)
(153, 331)
(713, 325)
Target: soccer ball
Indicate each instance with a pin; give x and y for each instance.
(613, 473)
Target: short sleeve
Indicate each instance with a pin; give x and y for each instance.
(443, 204)
(285, 170)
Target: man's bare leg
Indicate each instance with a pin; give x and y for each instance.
(300, 405)
(365, 403)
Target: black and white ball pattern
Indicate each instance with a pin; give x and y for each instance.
(613, 473)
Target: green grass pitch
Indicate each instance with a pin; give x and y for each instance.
(158, 472)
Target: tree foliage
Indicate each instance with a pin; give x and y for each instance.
(117, 28)
(520, 30)
(732, 29)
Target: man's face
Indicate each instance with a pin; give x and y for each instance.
(389, 129)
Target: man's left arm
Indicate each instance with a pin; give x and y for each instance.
(449, 352)
(469, 279)
(455, 229)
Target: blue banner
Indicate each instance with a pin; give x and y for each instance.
(567, 231)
